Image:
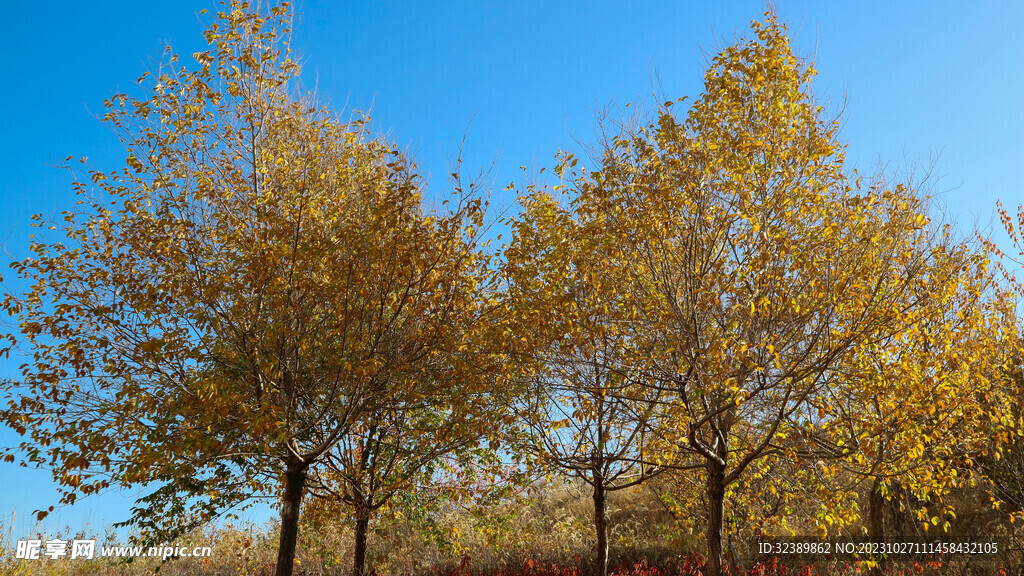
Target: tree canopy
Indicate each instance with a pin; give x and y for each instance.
(221, 314)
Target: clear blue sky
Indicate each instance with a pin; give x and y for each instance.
(921, 80)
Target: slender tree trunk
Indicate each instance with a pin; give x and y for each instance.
(601, 525)
(876, 527)
(716, 517)
(359, 553)
(294, 483)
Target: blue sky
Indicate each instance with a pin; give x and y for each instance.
(922, 81)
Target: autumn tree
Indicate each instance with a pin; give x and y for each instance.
(407, 440)
(259, 279)
(758, 264)
(925, 403)
(586, 411)
(1003, 468)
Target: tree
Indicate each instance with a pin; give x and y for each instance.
(1004, 467)
(759, 266)
(586, 411)
(406, 439)
(256, 281)
(923, 406)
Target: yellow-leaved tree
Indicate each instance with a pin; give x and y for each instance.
(758, 265)
(589, 409)
(924, 404)
(257, 284)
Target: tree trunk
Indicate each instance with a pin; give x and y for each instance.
(876, 528)
(359, 553)
(601, 525)
(716, 517)
(294, 482)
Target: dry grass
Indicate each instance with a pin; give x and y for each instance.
(544, 531)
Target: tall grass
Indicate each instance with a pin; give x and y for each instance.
(543, 531)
